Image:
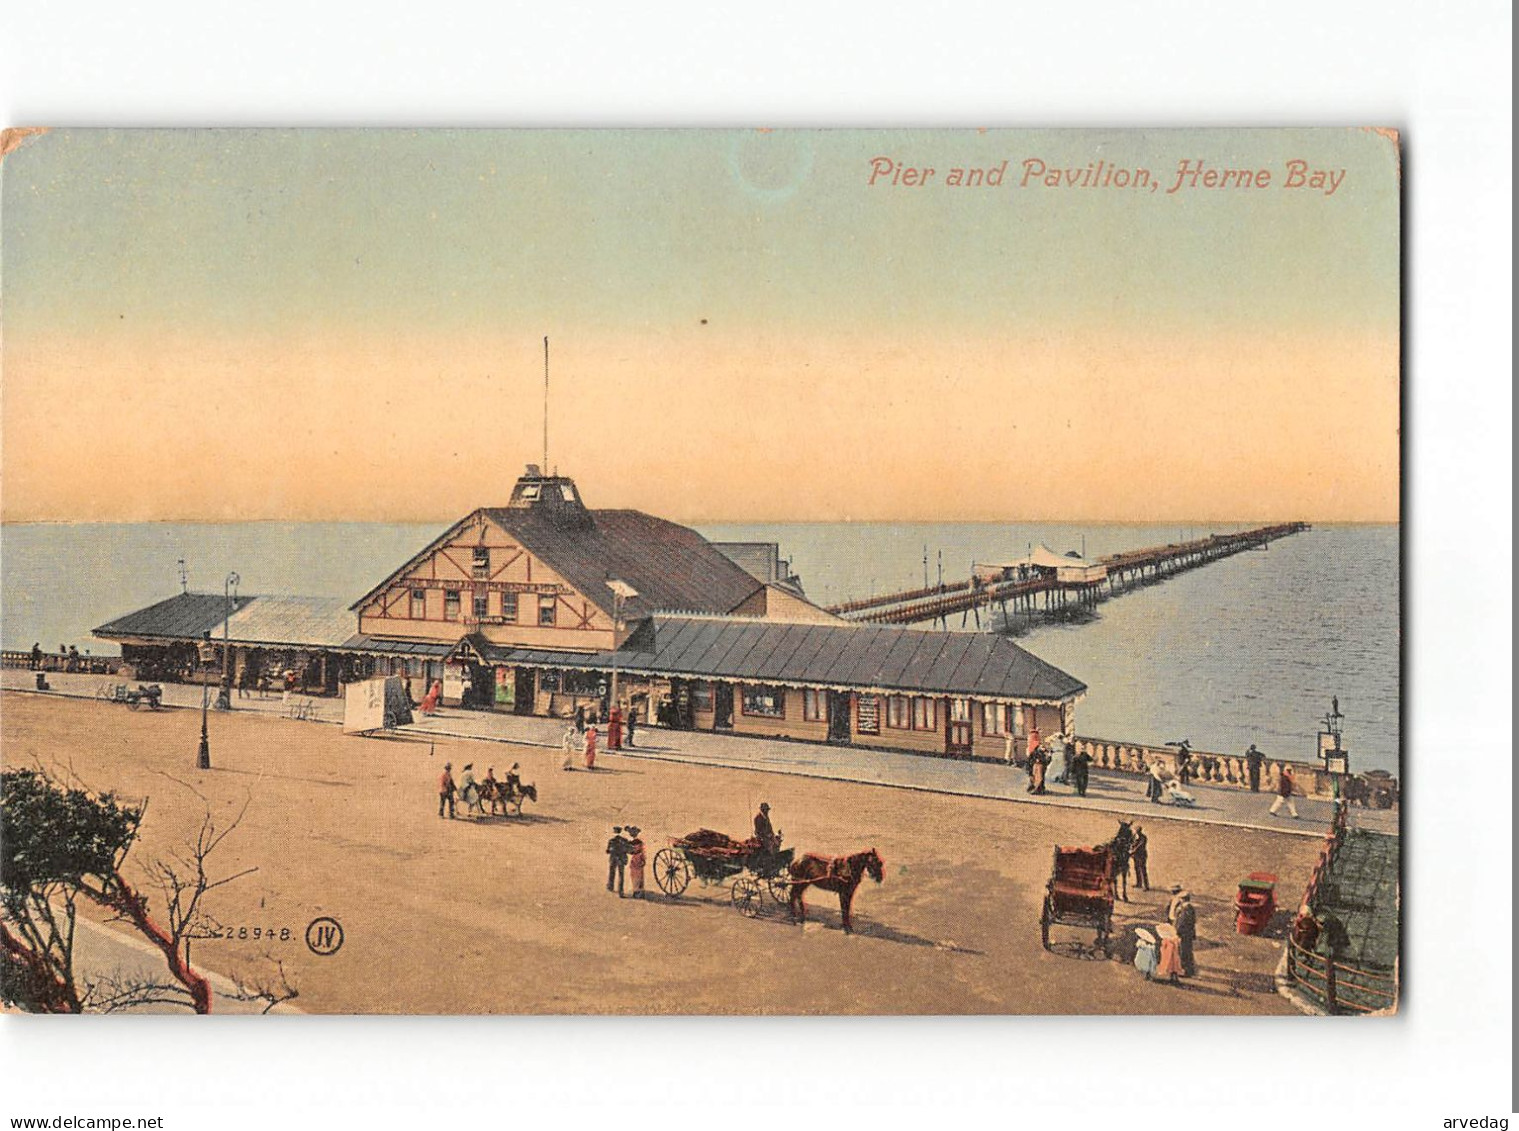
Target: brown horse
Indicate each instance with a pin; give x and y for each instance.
(832, 873)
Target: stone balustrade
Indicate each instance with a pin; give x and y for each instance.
(1206, 768)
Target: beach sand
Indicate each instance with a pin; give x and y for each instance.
(511, 915)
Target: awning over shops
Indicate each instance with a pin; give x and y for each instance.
(846, 657)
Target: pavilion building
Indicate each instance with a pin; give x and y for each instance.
(545, 605)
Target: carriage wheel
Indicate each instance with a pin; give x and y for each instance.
(134, 704)
(748, 896)
(780, 888)
(672, 871)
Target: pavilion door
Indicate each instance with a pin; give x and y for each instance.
(524, 692)
(838, 718)
(958, 736)
(722, 702)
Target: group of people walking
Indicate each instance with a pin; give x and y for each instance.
(1056, 760)
(69, 658)
(582, 737)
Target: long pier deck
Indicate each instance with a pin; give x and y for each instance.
(1047, 594)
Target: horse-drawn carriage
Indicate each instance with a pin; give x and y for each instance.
(1080, 893)
(715, 858)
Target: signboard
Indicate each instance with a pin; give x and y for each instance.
(453, 683)
(1328, 743)
(375, 704)
(1337, 762)
(869, 714)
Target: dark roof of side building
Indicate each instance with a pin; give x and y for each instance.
(279, 621)
(844, 656)
(185, 616)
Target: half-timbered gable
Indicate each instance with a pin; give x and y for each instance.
(538, 573)
(479, 578)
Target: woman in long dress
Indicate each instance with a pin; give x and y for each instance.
(636, 860)
(469, 792)
(571, 744)
(590, 747)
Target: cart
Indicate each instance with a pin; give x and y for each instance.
(1255, 903)
(148, 695)
(1080, 894)
(715, 858)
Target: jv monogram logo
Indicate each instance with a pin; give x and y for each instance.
(324, 935)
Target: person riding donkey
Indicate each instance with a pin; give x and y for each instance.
(490, 790)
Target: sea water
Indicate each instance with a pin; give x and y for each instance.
(1247, 649)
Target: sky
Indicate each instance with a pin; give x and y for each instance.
(745, 325)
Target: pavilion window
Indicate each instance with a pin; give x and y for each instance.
(482, 606)
(897, 715)
(582, 683)
(419, 604)
(925, 714)
(993, 719)
(959, 710)
(481, 566)
(765, 702)
(450, 604)
(701, 697)
(546, 611)
(509, 607)
(814, 705)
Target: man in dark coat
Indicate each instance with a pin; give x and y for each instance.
(764, 832)
(632, 723)
(1080, 771)
(1254, 759)
(1139, 853)
(580, 719)
(617, 860)
(1185, 922)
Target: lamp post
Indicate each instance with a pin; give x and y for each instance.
(207, 650)
(229, 593)
(1336, 757)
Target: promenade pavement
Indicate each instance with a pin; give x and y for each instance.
(102, 952)
(1120, 794)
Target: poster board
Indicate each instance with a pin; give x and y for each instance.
(375, 704)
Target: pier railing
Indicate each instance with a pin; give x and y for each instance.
(1121, 571)
(1207, 768)
(1336, 986)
